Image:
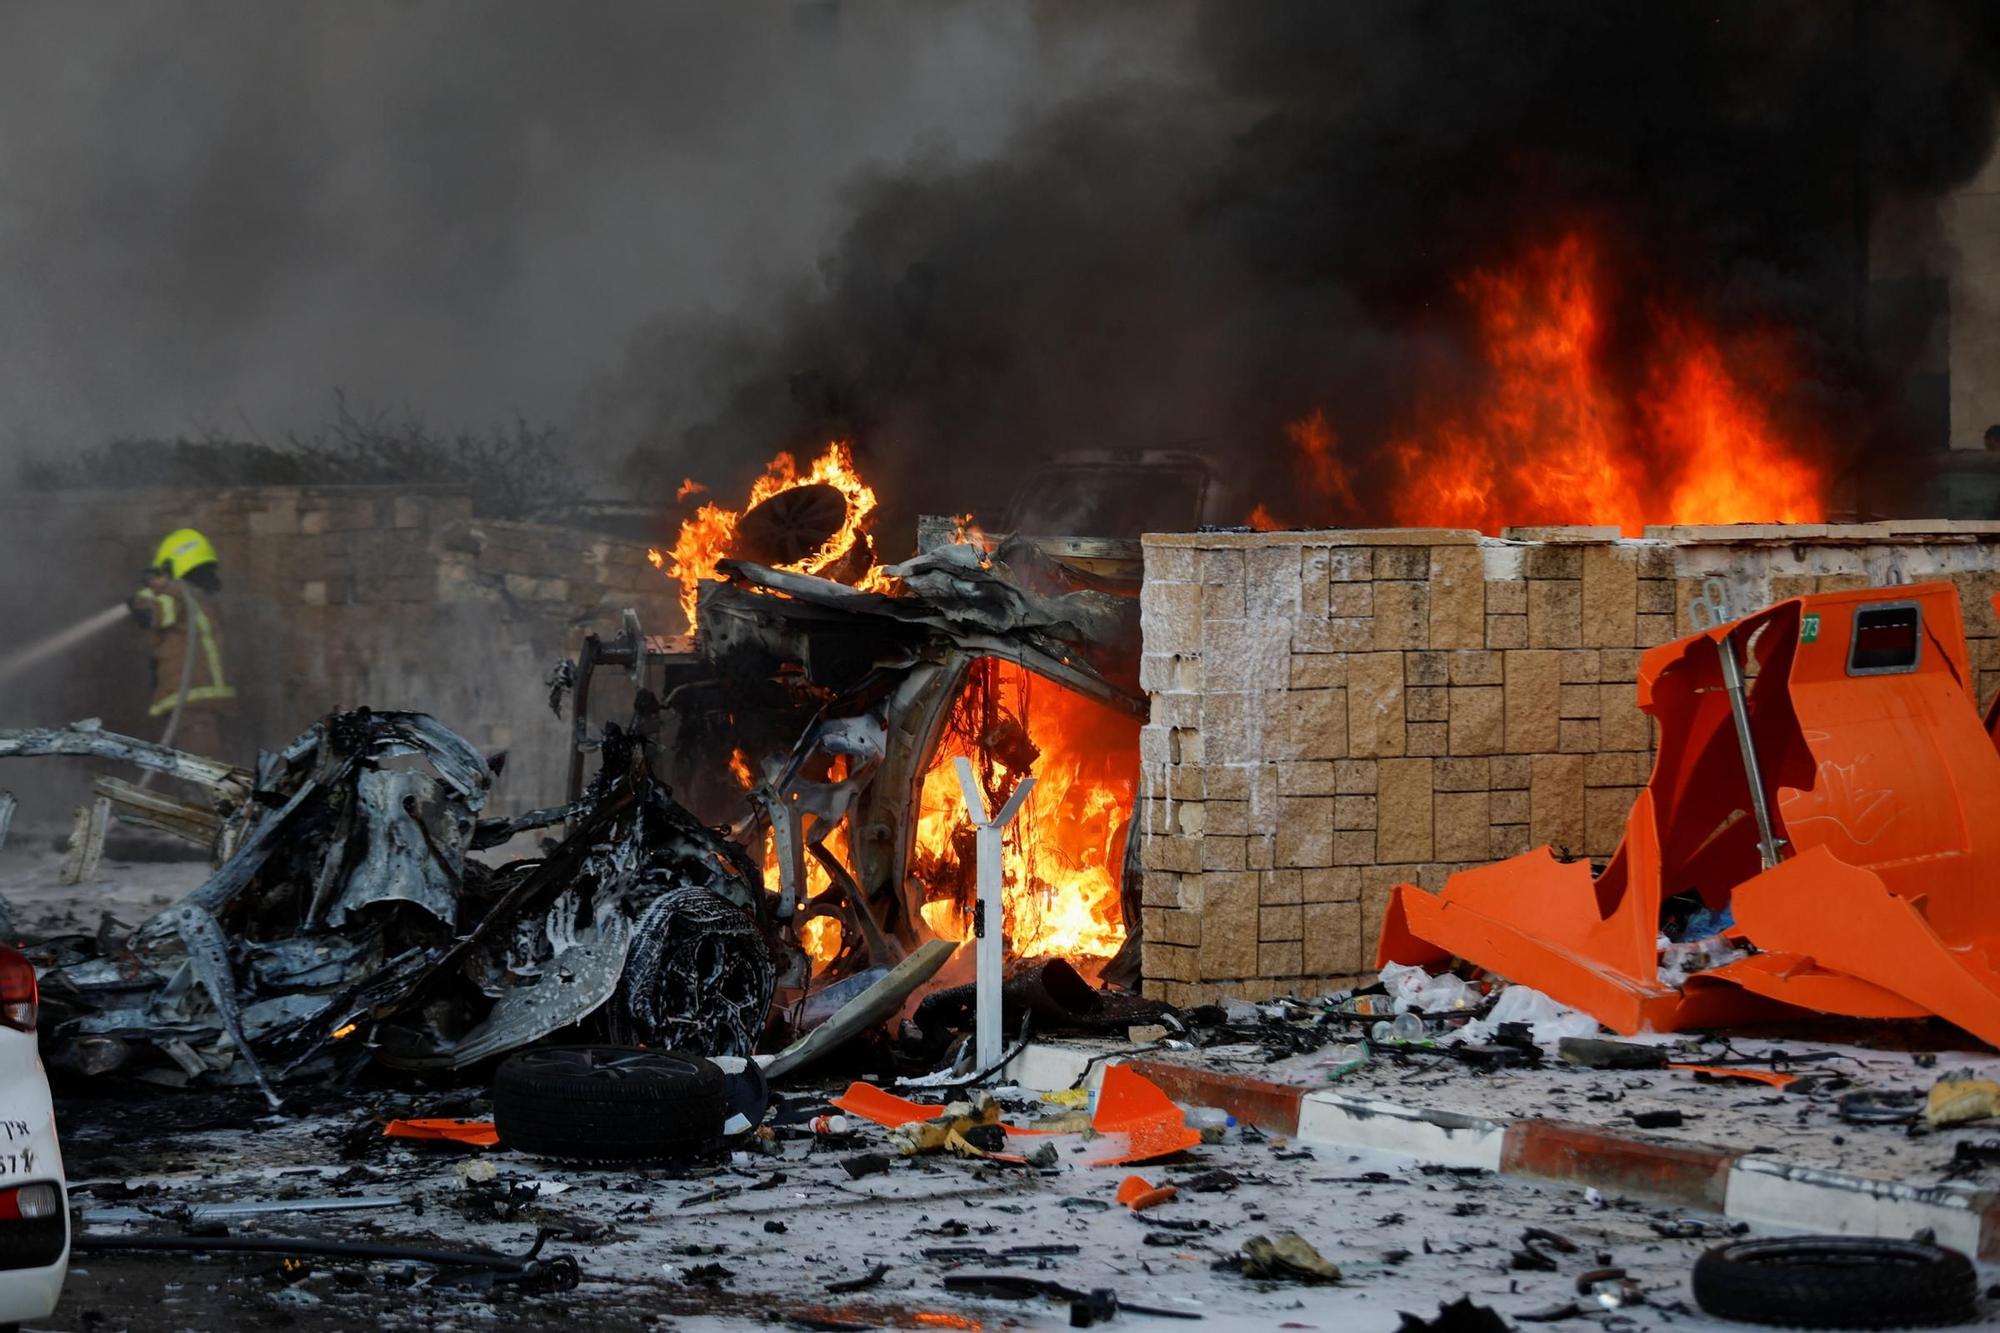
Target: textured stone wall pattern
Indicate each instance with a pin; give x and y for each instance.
(1334, 713)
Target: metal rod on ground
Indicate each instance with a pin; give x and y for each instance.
(986, 915)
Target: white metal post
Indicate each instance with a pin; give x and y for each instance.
(986, 913)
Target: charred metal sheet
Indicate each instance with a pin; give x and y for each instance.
(235, 874)
(264, 1018)
(311, 962)
(387, 735)
(335, 854)
(208, 957)
(89, 739)
(872, 1006)
(493, 832)
(574, 985)
(1088, 640)
(86, 840)
(414, 848)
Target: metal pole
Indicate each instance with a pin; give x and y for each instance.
(1707, 611)
(1739, 708)
(986, 912)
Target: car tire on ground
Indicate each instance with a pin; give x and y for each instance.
(1836, 1282)
(608, 1104)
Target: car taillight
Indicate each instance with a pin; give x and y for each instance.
(18, 998)
(28, 1202)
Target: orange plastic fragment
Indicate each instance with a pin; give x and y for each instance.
(1132, 1106)
(884, 1108)
(1770, 1076)
(475, 1133)
(1139, 1193)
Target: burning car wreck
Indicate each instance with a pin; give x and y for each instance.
(351, 919)
(844, 706)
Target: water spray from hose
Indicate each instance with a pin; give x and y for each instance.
(61, 641)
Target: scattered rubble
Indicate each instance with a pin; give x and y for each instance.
(1288, 1258)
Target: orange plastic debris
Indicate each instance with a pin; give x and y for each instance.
(1882, 783)
(1139, 1193)
(1770, 1076)
(1132, 1106)
(477, 1133)
(884, 1108)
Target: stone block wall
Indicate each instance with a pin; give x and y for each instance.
(390, 597)
(1337, 712)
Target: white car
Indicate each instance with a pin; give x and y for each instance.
(34, 1204)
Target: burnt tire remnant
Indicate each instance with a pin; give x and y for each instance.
(699, 977)
(1836, 1282)
(608, 1104)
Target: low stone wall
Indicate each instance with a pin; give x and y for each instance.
(391, 597)
(1337, 712)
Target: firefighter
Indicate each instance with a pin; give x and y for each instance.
(191, 690)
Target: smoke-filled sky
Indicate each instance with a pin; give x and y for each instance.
(961, 233)
(215, 214)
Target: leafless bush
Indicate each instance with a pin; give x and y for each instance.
(511, 472)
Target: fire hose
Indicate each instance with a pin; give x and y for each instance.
(188, 611)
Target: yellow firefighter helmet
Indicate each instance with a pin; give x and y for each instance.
(183, 550)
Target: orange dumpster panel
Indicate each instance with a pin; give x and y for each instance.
(476, 1133)
(884, 1108)
(1880, 778)
(1141, 1121)
(1797, 981)
(1765, 1076)
(1139, 1193)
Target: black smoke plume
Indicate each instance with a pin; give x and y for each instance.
(1203, 259)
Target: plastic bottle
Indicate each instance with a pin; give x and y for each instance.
(1216, 1125)
(1347, 1057)
(1403, 1027)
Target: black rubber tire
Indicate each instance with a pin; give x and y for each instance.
(1836, 1282)
(608, 1104)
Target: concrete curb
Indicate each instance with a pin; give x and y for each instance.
(1710, 1179)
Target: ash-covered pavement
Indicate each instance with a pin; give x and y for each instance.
(758, 1240)
(754, 1240)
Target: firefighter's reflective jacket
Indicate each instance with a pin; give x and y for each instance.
(166, 616)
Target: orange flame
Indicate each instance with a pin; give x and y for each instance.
(1321, 469)
(965, 531)
(708, 535)
(820, 937)
(1557, 438)
(689, 486)
(1065, 853)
